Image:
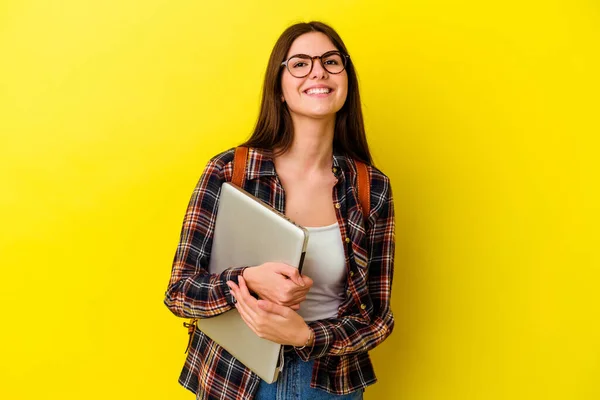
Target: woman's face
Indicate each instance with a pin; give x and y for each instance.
(320, 94)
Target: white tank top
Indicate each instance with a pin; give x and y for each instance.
(325, 263)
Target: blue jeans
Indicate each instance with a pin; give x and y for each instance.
(294, 384)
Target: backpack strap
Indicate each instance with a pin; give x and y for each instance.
(363, 184)
(240, 163)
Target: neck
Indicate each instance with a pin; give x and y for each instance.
(312, 146)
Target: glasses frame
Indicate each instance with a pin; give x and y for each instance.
(345, 58)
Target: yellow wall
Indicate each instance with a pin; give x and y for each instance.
(482, 114)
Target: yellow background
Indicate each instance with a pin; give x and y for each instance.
(483, 114)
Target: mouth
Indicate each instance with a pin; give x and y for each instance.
(320, 91)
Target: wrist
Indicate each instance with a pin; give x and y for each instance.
(309, 339)
(247, 275)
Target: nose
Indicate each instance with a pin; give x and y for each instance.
(318, 71)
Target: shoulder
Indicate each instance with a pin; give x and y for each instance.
(222, 159)
(381, 188)
(380, 182)
(225, 158)
(220, 165)
(259, 162)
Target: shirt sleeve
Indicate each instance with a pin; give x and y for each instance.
(192, 291)
(355, 333)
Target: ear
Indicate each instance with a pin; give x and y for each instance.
(282, 99)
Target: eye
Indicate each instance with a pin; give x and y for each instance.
(300, 64)
(332, 61)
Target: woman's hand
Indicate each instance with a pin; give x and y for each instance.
(270, 321)
(279, 283)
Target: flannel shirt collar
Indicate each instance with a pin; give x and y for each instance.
(260, 164)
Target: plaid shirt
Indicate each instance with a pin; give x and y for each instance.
(364, 319)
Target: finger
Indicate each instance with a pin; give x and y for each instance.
(246, 318)
(245, 302)
(232, 288)
(273, 308)
(295, 297)
(245, 292)
(291, 273)
(242, 304)
(295, 300)
(296, 290)
(249, 301)
(293, 290)
(307, 280)
(253, 315)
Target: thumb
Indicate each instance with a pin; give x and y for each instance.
(292, 273)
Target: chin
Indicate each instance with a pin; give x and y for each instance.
(317, 112)
(321, 115)
(322, 112)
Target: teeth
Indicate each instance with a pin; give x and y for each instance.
(318, 91)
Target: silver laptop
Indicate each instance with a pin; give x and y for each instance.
(247, 233)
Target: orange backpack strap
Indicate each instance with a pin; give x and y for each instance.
(363, 184)
(240, 161)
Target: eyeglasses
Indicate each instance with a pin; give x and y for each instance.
(300, 65)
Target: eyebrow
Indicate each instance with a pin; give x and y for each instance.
(307, 55)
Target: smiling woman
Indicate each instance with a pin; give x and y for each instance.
(304, 156)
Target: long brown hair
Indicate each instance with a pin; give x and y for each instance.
(274, 128)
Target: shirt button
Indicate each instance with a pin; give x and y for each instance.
(362, 306)
(347, 240)
(337, 205)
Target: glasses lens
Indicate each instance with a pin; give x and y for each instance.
(299, 66)
(334, 63)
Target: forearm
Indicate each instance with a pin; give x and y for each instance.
(201, 295)
(347, 335)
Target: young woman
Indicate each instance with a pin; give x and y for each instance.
(303, 158)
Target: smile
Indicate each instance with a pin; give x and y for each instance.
(318, 91)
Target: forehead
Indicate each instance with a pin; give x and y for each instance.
(313, 44)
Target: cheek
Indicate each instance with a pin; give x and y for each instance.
(288, 87)
(343, 92)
